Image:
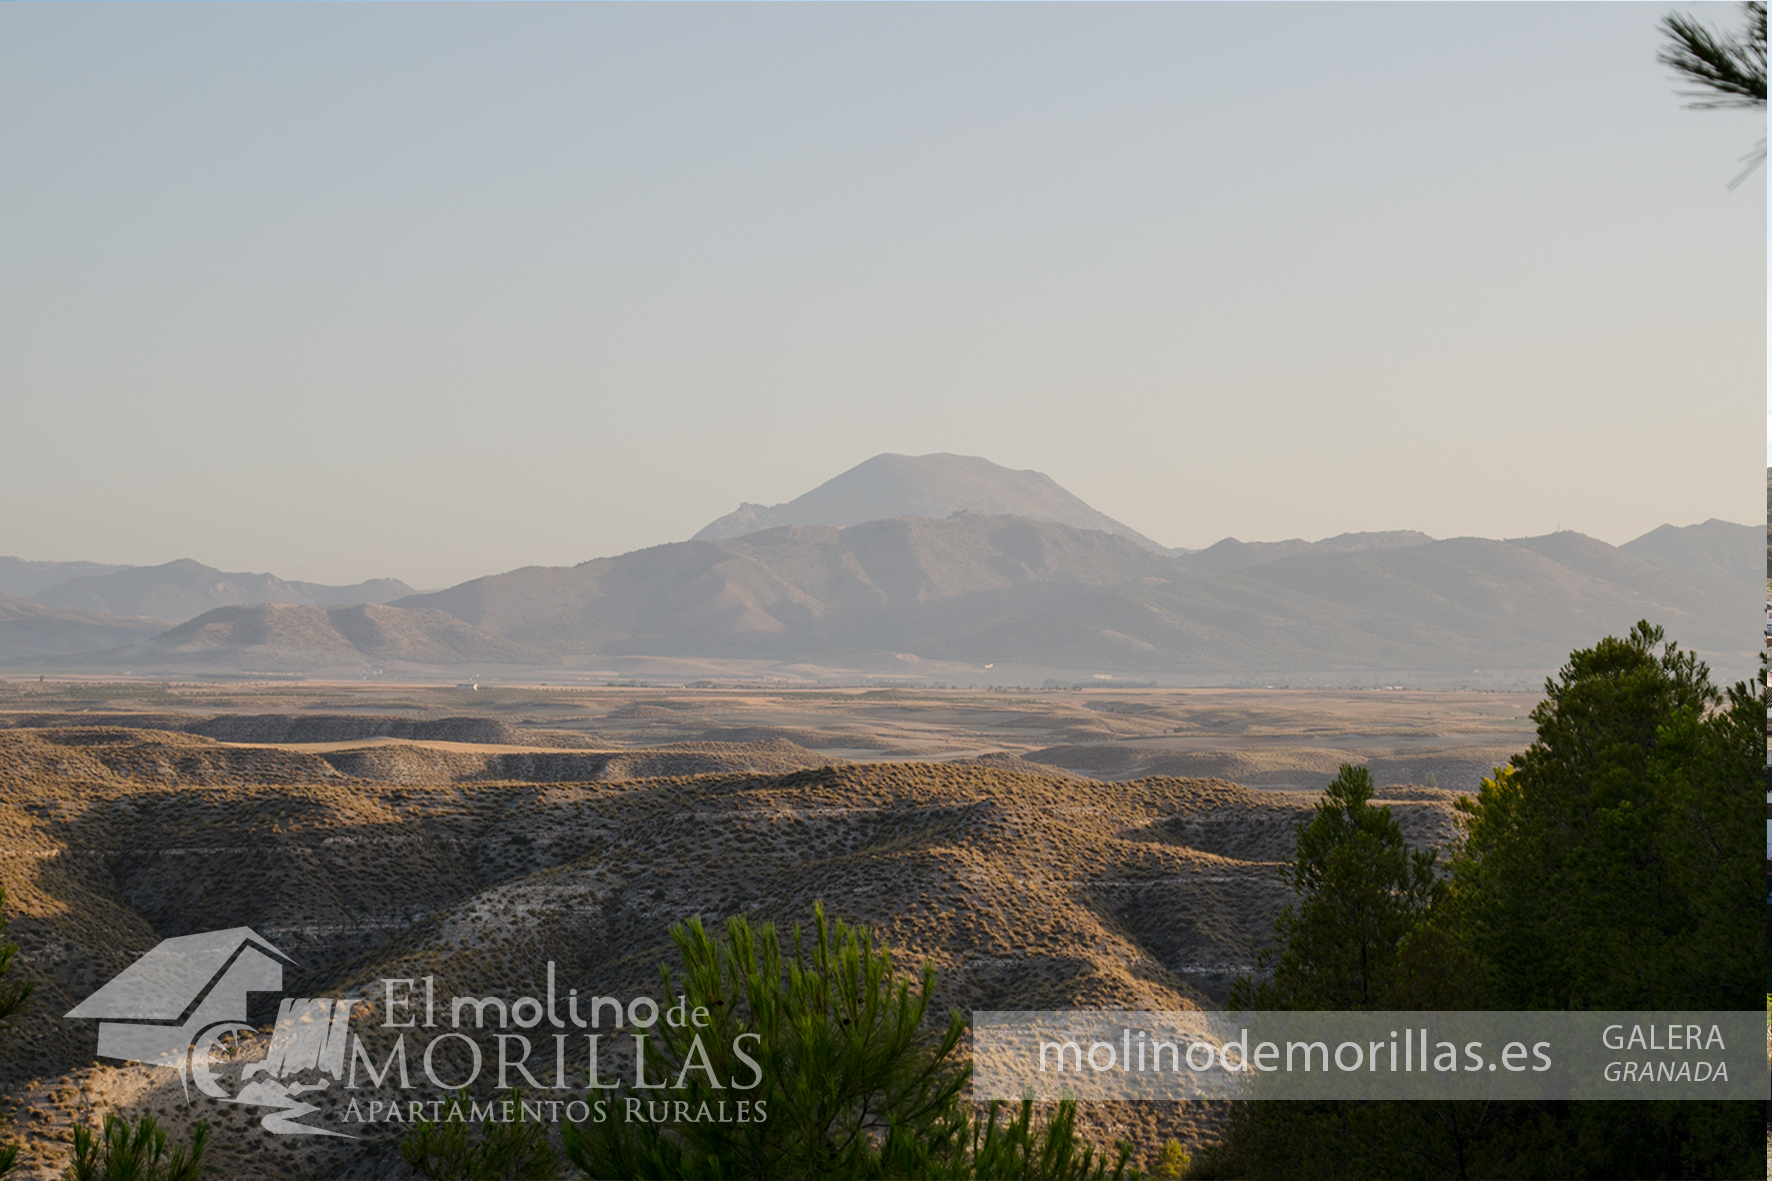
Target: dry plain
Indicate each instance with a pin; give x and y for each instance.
(1071, 848)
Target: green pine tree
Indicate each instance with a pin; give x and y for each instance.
(1590, 870)
(1369, 931)
(853, 1082)
(1610, 866)
(1362, 894)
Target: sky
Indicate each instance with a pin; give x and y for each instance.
(435, 291)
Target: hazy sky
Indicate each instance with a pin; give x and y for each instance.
(343, 291)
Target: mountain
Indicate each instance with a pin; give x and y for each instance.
(1715, 549)
(814, 588)
(923, 486)
(30, 630)
(184, 589)
(285, 637)
(1003, 589)
(967, 589)
(23, 578)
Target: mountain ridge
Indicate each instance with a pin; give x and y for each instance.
(1713, 548)
(991, 589)
(24, 578)
(1230, 555)
(942, 580)
(30, 630)
(183, 589)
(285, 637)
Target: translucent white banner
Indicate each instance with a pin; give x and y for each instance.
(1109, 1055)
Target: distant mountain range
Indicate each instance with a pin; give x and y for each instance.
(280, 637)
(31, 631)
(923, 486)
(954, 584)
(175, 591)
(24, 579)
(1715, 549)
(1000, 589)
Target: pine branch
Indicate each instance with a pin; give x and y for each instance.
(1732, 70)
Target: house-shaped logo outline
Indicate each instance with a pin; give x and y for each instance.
(153, 1010)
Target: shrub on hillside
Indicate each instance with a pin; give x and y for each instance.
(124, 1153)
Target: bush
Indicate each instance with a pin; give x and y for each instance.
(441, 1150)
(122, 1153)
(1174, 1163)
(1025, 1151)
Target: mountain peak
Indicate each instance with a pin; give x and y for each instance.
(938, 485)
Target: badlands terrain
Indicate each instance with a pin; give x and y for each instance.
(1074, 848)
